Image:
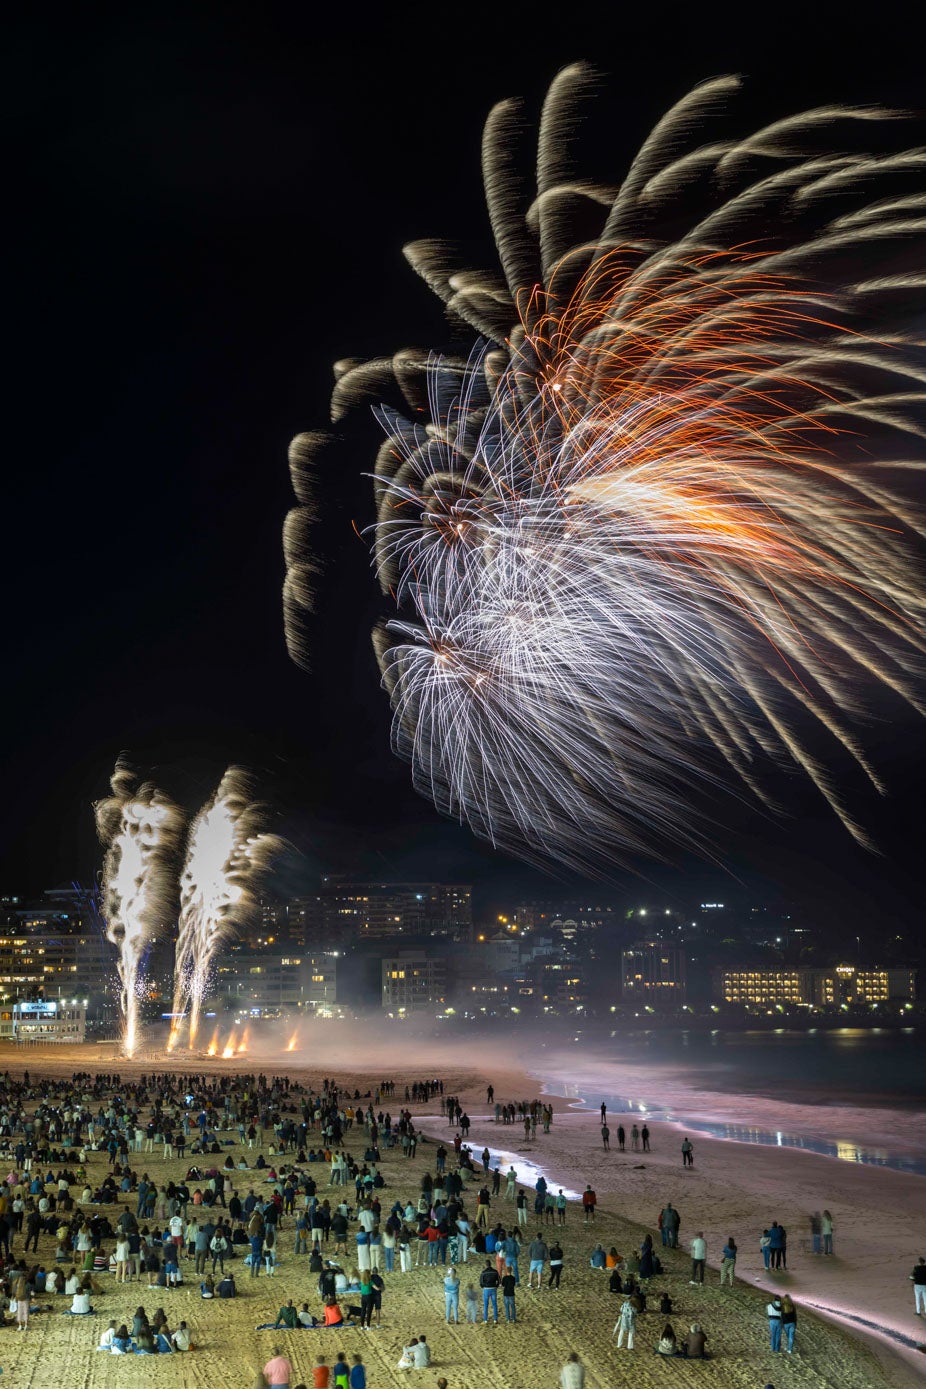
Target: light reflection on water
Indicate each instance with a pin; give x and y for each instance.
(843, 1149)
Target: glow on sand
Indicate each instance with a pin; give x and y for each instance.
(227, 856)
(142, 830)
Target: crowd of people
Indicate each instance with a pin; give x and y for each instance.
(306, 1187)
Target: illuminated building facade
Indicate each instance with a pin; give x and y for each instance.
(653, 974)
(412, 982)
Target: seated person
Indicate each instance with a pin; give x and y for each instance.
(226, 1287)
(106, 1340)
(665, 1305)
(80, 1304)
(122, 1342)
(598, 1257)
(162, 1342)
(304, 1317)
(72, 1283)
(207, 1287)
(181, 1337)
(333, 1314)
(286, 1317)
(667, 1344)
(693, 1344)
(613, 1259)
(145, 1343)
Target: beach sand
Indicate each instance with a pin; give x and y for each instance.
(731, 1185)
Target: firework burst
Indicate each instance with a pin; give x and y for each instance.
(227, 856)
(653, 531)
(142, 830)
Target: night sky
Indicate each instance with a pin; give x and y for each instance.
(207, 211)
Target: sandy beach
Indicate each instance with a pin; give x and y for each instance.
(732, 1189)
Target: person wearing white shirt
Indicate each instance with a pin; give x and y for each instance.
(698, 1258)
(181, 1337)
(80, 1305)
(106, 1340)
(367, 1218)
(572, 1375)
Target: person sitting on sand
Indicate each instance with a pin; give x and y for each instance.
(80, 1305)
(407, 1358)
(667, 1344)
(106, 1340)
(333, 1314)
(181, 1338)
(599, 1257)
(121, 1343)
(227, 1286)
(693, 1344)
(207, 1287)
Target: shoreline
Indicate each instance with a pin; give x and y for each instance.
(730, 1185)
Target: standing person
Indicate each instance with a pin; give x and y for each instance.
(488, 1282)
(472, 1304)
(522, 1207)
(278, 1371)
(358, 1375)
(687, 1153)
(604, 1113)
(765, 1248)
(728, 1262)
(776, 1243)
(509, 1283)
(556, 1265)
(621, 1137)
(918, 1279)
(816, 1233)
(788, 1322)
(624, 1326)
(644, 1134)
(606, 1138)
(773, 1312)
(827, 1228)
(21, 1294)
(698, 1258)
(572, 1375)
(452, 1296)
(538, 1253)
(589, 1202)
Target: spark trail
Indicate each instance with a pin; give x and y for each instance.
(655, 532)
(226, 859)
(142, 830)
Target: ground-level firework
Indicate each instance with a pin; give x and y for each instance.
(142, 830)
(654, 531)
(227, 856)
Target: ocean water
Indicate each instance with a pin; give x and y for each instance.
(856, 1095)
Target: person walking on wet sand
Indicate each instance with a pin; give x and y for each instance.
(918, 1279)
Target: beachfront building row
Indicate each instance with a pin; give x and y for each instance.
(42, 1021)
(842, 986)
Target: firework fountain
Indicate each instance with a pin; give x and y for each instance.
(654, 530)
(227, 856)
(142, 830)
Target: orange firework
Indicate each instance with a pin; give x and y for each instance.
(651, 533)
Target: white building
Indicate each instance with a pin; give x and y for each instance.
(45, 1020)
